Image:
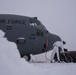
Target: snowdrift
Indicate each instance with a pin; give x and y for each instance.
(10, 61)
(12, 64)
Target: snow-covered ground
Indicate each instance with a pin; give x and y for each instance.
(12, 64)
(57, 68)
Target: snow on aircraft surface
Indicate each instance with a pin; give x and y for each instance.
(28, 33)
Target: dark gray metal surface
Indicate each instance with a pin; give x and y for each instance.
(28, 33)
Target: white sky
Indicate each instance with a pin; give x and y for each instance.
(58, 16)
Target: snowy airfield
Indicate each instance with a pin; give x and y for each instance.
(57, 68)
(12, 64)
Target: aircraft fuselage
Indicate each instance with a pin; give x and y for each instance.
(28, 33)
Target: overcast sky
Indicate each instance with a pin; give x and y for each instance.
(58, 16)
